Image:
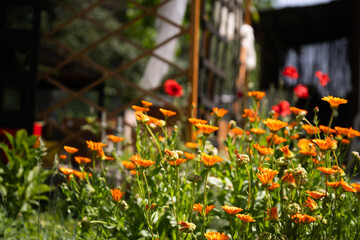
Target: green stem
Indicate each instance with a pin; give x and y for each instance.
(331, 120)
(177, 192)
(193, 190)
(156, 142)
(148, 215)
(249, 195)
(205, 203)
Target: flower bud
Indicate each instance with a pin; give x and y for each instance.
(242, 159)
(301, 115)
(85, 224)
(293, 208)
(316, 110)
(356, 156)
(232, 124)
(123, 205)
(194, 178)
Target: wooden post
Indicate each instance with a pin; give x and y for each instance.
(194, 62)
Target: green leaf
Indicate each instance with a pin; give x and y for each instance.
(10, 138)
(20, 136)
(33, 173)
(3, 190)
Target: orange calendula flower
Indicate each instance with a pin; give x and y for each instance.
(356, 186)
(266, 178)
(231, 209)
(257, 130)
(210, 160)
(353, 133)
(266, 170)
(70, 150)
(311, 130)
(81, 175)
(189, 156)
(139, 162)
(333, 184)
(345, 141)
(249, 114)
(198, 207)
(140, 109)
(324, 145)
(94, 146)
(219, 112)
(167, 113)
(245, 218)
(206, 129)
(334, 101)
(141, 117)
(275, 139)
(316, 194)
(342, 131)
(115, 139)
(263, 150)
(67, 171)
(81, 160)
(327, 171)
(306, 147)
(146, 103)
(134, 172)
(295, 136)
(63, 156)
(116, 194)
(191, 145)
(273, 186)
(274, 125)
(196, 121)
(156, 121)
(289, 178)
(310, 203)
(128, 165)
(187, 226)
(237, 131)
(272, 214)
(338, 170)
(257, 95)
(346, 187)
(297, 111)
(177, 162)
(216, 236)
(326, 129)
(288, 154)
(302, 218)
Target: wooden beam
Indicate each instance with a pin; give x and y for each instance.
(194, 62)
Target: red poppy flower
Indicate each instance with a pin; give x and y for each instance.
(323, 78)
(283, 108)
(172, 88)
(301, 91)
(290, 72)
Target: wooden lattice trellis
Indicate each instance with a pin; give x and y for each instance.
(74, 55)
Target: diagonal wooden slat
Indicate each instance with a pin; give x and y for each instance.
(71, 92)
(169, 21)
(103, 69)
(71, 19)
(69, 135)
(108, 73)
(121, 37)
(106, 37)
(111, 74)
